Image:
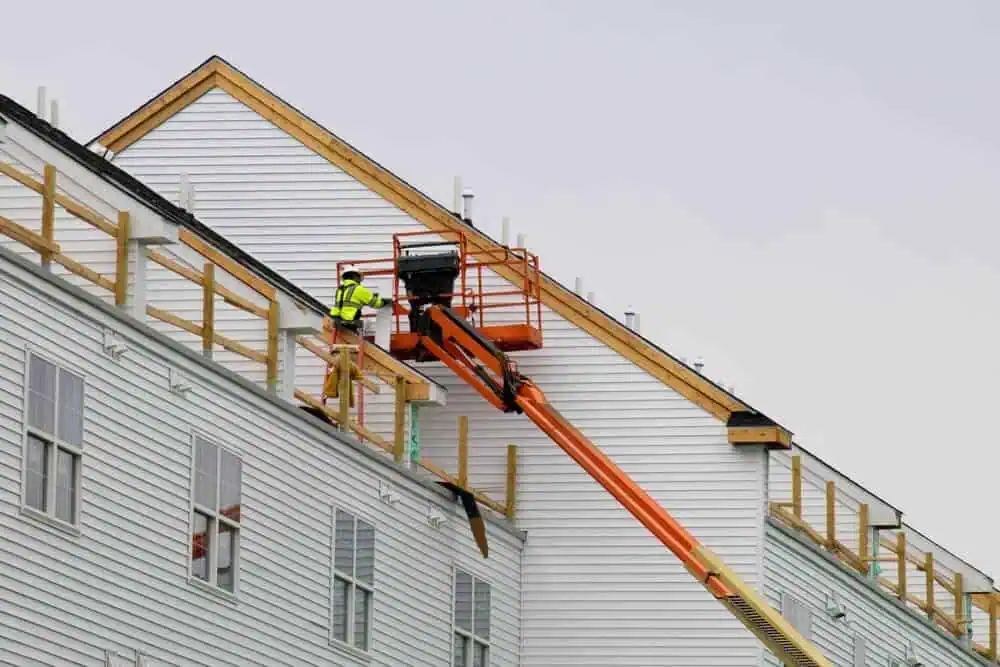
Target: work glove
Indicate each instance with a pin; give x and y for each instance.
(386, 303)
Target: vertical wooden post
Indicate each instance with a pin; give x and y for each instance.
(831, 516)
(273, 323)
(960, 604)
(48, 211)
(901, 566)
(399, 423)
(993, 627)
(344, 390)
(863, 548)
(121, 258)
(463, 452)
(208, 309)
(797, 486)
(510, 496)
(929, 594)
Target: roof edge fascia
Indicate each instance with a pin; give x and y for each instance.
(216, 72)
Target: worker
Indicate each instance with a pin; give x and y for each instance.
(331, 386)
(351, 297)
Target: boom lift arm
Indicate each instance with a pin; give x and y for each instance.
(476, 360)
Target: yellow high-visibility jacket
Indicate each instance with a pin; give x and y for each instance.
(350, 298)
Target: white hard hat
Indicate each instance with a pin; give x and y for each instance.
(350, 268)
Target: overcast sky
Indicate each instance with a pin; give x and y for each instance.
(804, 194)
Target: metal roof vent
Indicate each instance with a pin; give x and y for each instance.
(467, 197)
(630, 318)
(699, 364)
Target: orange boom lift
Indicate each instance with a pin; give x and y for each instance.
(450, 326)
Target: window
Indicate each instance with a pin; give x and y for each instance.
(53, 441)
(215, 515)
(353, 580)
(471, 621)
(797, 614)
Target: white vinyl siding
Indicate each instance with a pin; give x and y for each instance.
(123, 584)
(53, 440)
(599, 589)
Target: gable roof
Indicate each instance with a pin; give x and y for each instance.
(185, 220)
(746, 425)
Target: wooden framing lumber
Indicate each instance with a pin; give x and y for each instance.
(331, 359)
(48, 211)
(227, 264)
(196, 330)
(208, 309)
(21, 177)
(227, 295)
(85, 272)
(121, 258)
(344, 390)
(960, 620)
(863, 547)
(81, 212)
(831, 514)
(463, 451)
(27, 237)
(901, 564)
(510, 489)
(386, 368)
(929, 582)
(797, 486)
(273, 324)
(759, 435)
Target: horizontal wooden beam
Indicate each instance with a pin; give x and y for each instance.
(28, 237)
(196, 330)
(759, 435)
(386, 367)
(198, 278)
(227, 264)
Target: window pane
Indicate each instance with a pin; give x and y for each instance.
(42, 395)
(343, 555)
(225, 575)
(482, 620)
(366, 552)
(229, 492)
(206, 469)
(362, 599)
(459, 651)
(70, 408)
(481, 658)
(463, 600)
(200, 547)
(36, 477)
(339, 609)
(65, 485)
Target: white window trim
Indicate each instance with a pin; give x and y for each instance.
(348, 645)
(470, 656)
(214, 518)
(53, 445)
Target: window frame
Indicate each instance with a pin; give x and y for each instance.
(471, 638)
(214, 517)
(53, 445)
(352, 583)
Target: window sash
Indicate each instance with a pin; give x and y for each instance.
(353, 583)
(53, 444)
(215, 519)
(471, 640)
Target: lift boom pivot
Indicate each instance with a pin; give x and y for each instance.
(486, 368)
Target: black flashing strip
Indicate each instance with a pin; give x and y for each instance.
(744, 419)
